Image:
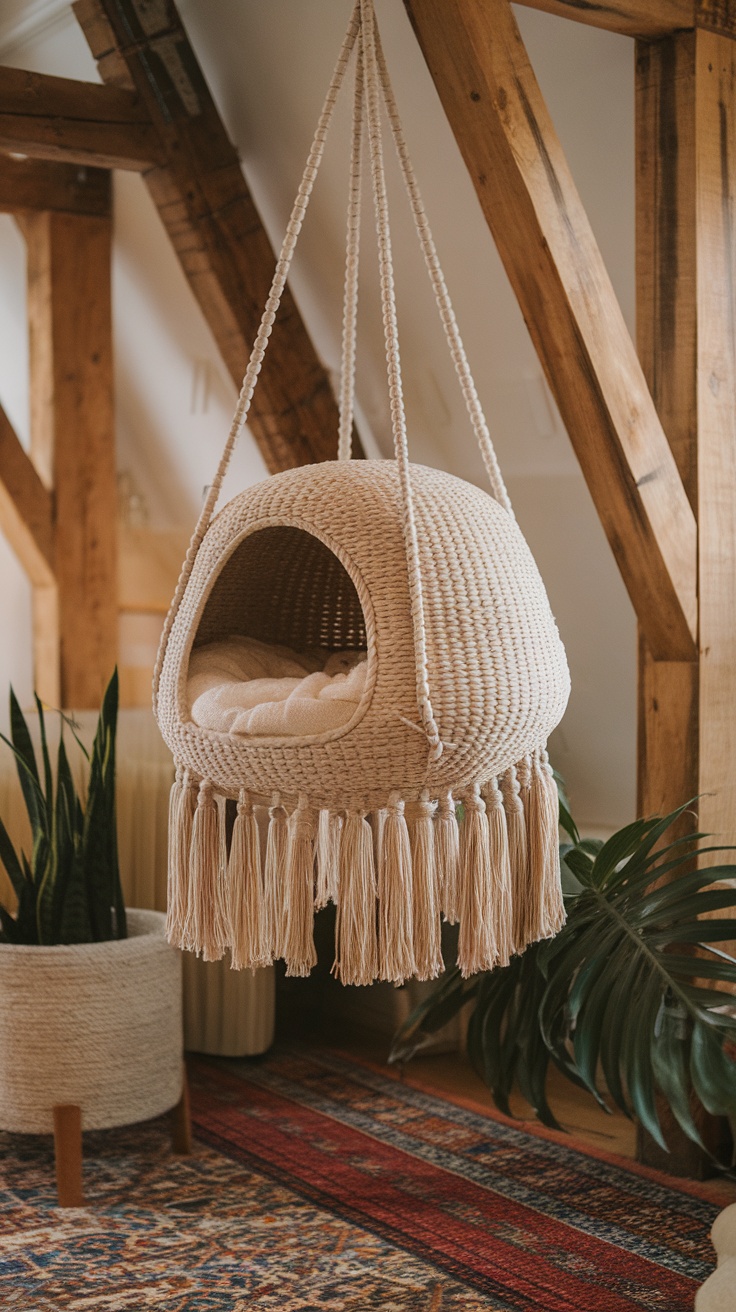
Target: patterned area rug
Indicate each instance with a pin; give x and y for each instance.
(319, 1185)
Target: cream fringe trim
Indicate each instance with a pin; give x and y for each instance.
(488, 860)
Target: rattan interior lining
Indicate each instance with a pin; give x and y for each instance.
(283, 585)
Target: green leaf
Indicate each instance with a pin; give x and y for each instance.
(10, 860)
(670, 1066)
(26, 761)
(713, 1068)
(48, 778)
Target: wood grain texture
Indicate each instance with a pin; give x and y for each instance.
(72, 442)
(667, 736)
(208, 212)
(488, 89)
(31, 184)
(666, 334)
(715, 179)
(26, 508)
(646, 18)
(68, 1153)
(717, 16)
(58, 118)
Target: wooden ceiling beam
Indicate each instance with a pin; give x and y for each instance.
(208, 212)
(73, 447)
(646, 19)
(57, 118)
(32, 184)
(489, 92)
(26, 508)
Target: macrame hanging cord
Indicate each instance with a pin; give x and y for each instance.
(372, 87)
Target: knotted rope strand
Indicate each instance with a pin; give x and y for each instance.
(352, 255)
(253, 369)
(442, 296)
(396, 397)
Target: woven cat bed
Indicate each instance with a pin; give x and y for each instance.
(466, 678)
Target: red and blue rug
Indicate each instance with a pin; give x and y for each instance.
(320, 1185)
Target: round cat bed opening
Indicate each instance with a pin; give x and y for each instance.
(284, 586)
(281, 649)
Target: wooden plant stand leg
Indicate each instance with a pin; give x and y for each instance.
(181, 1122)
(68, 1151)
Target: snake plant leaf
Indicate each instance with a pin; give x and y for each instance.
(25, 916)
(76, 922)
(107, 910)
(26, 762)
(74, 861)
(9, 928)
(11, 861)
(48, 776)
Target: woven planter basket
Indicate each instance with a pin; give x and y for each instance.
(98, 1025)
(466, 675)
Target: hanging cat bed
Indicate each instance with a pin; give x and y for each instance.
(365, 648)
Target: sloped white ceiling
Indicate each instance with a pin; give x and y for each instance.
(268, 64)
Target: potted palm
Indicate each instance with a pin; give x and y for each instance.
(90, 995)
(625, 1000)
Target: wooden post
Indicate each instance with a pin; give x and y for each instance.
(68, 1153)
(686, 285)
(72, 446)
(686, 249)
(487, 86)
(666, 334)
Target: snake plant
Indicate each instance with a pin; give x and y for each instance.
(623, 1000)
(68, 891)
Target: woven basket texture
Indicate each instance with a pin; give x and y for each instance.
(94, 1024)
(316, 557)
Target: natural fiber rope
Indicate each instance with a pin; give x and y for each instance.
(396, 397)
(444, 304)
(350, 304)
(98, 1025)
(371, 74)
(264, 332)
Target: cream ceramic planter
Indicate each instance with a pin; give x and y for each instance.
(96, 1025)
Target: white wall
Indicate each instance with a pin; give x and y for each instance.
(268, 66)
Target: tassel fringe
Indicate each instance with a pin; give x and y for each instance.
(356, 940)
(395, 896)
(476, 944)
(245, 904)
(521, 930)
(328, 859)
(176, 885)
(205, 930)
(497, 873)
(274, 885)
(498, 851)
(447, 847)
(299, 951)
(427, 925)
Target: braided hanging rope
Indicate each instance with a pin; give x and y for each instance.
(253, 369)
(442, 296)
(350, 303)
(372, 86)
(396, 396)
